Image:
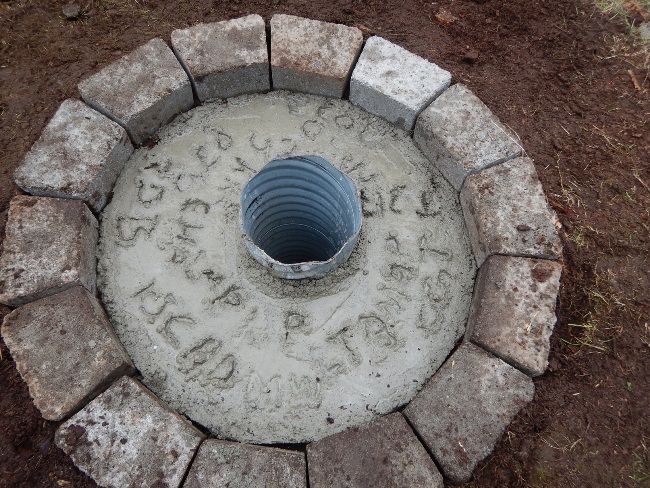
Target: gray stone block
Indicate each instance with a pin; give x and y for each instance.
(310, 56)
(461, 136)
(65, 350)
(395, 84)
(79, 155)
(49, 246)
(221, 463)
(127, 437)
(384, 452)
(142, 91)
(225, 59)
(506, 213)
(513, 312)
(461, 413)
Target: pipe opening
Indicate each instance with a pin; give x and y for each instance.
(300, 211)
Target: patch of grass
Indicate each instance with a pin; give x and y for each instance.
(625, 10)
(565, 445)
(612, 142)
(579, 235)
(538, 476)
(594, 331)
(622, 8)
(586, 334)
(634, 50)
(640, 463)
(631, 46)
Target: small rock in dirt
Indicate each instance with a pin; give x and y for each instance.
(644, 31)
(71, 11)
(445, 17)
(470, 57)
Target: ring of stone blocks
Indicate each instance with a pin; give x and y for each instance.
(73, 166)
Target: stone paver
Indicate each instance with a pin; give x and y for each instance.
(464, 409)
(395, 84)
(461, 136)
(235, 465)
(310, 56)
(142, 91)
(65, 350)
(506, 213)
(382, 453)
(49, 246)
(79, 155)
(127, 437)
(513, 313)
(225, 59)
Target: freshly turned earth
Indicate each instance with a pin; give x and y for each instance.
(549, 70)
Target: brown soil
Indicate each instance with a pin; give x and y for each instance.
(556, 72)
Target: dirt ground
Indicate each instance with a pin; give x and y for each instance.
(564, 76)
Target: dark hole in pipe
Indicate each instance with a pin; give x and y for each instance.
(300, 209)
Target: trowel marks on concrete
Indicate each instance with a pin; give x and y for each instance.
(259, 359)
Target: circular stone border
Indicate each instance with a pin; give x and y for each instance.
(459, 415)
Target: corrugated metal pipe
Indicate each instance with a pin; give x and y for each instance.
(300, 217)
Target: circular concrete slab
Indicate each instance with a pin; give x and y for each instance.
(260, 359)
